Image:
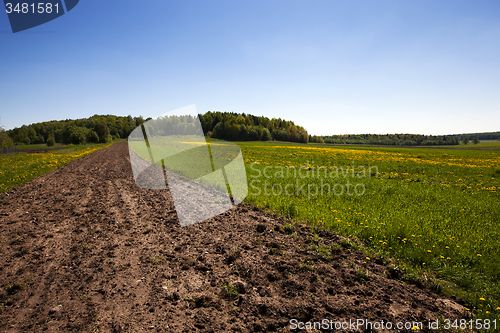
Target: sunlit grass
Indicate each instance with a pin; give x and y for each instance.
(19, 168)
(437, 210)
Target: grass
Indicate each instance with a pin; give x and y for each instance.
(40, 146)
(437, 210)
(19, 168)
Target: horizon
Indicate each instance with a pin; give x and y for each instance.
(341, 134)
(330, 66)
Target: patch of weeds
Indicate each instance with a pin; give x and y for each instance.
(289, 228)
(437, 286)
(361, 275)
(201, 301)
(292, 211)
(306, 266)
(228, 291)
(313, 247)
(315, 235)
(13, 287)
(336, 248)
(156, 260)
(242, 271)
(324, 251)
(347, 244)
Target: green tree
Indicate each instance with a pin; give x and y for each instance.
(475, 140)
(102, 131)
(465, 140)
(51, 141)
(79, 135)
(266, 135)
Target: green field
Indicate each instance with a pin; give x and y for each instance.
(437, 210)
(19, 168)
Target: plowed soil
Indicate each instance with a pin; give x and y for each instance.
(84, 249)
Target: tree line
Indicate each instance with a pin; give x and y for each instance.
(104, 128)
(479, 136)
(96, 129)
(393, 139)
(246, 127)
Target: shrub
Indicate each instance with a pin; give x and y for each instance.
(51, 141)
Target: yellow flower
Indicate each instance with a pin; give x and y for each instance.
(482, 299)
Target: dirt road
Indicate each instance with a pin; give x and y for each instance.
(86, 250)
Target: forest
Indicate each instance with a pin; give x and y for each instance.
(242, 127)
(105, 128)
(96, 129)
(220, 125)
(393, 139)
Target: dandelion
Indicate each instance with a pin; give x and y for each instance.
(482, 299)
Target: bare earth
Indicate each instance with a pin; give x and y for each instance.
(86, 250)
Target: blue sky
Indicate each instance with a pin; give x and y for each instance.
(334, 67)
